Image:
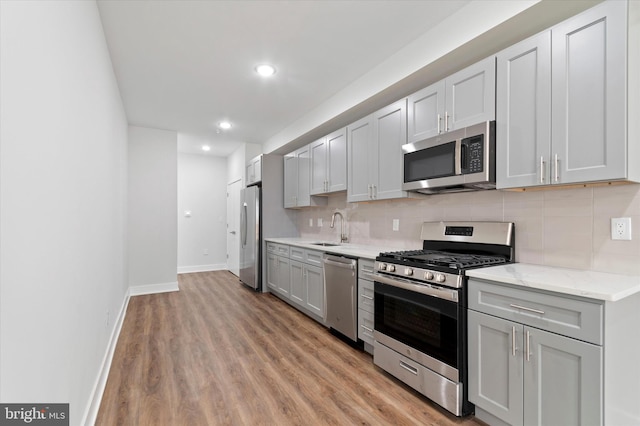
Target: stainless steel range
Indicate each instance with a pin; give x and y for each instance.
(420, 306)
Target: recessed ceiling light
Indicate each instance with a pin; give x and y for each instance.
(206, 148)
(265, 70)
(224, 125)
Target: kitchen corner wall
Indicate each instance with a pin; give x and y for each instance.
(560, 227)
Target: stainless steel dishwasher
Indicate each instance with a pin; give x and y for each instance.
(340, 284)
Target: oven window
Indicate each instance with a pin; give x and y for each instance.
(425, 323)
(438, 161)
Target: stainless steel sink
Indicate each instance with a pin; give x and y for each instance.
(325, 244)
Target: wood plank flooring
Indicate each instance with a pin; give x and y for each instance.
(216, 353)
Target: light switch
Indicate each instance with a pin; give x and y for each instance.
(396, 224)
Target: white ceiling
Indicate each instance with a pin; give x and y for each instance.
(187, 65)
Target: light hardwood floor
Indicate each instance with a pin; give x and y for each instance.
(216, 353)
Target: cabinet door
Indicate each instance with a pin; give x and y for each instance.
(304, 174)
(249, 176)
(283, 281)
(563, 380)
(272, 272)
(390, 132)
(523, 113)
(362, 152)
(425, 113)
(314, 280)
(290, 180)
(470, 95)
(318, 164)
(589, 92)
(337, 161)
(257, 169)
(495, 366)
(297, 282)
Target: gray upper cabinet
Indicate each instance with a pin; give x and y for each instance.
(297, 175)
(523, 123)
(462, 99)
(329, 163)
(561, 103)
(363, 158)
(254, 170)
(375, 154)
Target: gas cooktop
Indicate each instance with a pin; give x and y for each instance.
(426, 258)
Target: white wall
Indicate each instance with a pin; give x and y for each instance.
(62, 202)
(152, 221)
(202, 190)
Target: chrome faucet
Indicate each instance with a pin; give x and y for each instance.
(343, 234)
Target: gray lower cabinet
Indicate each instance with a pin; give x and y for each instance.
(296, 275)
(278, 269)
(365, 304)
(561, 103)
(521, 374)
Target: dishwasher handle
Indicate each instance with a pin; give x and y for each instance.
(350, 265)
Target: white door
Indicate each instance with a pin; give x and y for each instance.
(233, 226)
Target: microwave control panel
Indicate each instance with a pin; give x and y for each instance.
(473, 154)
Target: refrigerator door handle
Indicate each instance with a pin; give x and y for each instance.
(243, 225)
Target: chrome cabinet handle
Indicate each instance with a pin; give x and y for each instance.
(409, 368)
(513, 341)
(541, 169)
(375, 191)
(446, 121)
(439, 121)
(366, 328)
(527, 346)
(555, 161)
(524, 308)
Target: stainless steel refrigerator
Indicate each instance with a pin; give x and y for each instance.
(250, 237)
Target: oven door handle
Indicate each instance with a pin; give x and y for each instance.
(428, 289)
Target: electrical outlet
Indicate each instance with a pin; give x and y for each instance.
(621, 228)
(310, 223)
(319, 222)
(396, 224)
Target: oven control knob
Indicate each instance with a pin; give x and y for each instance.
(440, 278)
(428, 276)
(408, 271)
(382, 266)
(391, 268)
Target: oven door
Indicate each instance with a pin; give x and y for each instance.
(422, 322)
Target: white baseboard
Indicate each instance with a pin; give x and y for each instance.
(202, 268)
(91, 414)
(138, 290)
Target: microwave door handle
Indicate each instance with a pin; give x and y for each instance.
(458, 157)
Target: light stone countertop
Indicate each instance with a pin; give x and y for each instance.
(590, 284)
(346, 249)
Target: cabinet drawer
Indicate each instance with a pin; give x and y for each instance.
(313, 257)
(278, 249)
(577, 318)
(365, 326)
(365, 268)
(365, 295)
(296, 253)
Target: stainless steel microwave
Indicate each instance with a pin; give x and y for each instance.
(460, 160)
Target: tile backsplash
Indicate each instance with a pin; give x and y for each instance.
(563, 227)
